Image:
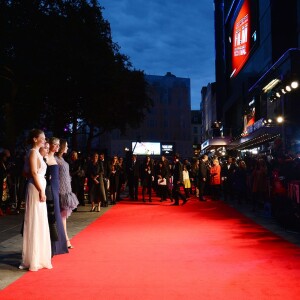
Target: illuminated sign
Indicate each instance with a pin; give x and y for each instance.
(146, 148)
(249, 120)
(255, 126)
(204, 144)
(167, 149)
(241, 38)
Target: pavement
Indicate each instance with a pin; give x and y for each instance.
(11, 239)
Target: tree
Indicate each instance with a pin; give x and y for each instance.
(66, 68)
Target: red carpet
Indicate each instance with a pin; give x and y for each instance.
(203, 250)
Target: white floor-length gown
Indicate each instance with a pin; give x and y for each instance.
(36, 252)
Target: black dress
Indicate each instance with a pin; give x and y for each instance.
(94, 188)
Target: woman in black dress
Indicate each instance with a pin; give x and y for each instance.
(147, 177)
(94, 176)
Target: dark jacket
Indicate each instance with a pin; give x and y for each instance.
(133, 170)
(147, 173)
(177, 173)
(202, 172)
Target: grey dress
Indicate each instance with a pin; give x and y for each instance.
(68, 200)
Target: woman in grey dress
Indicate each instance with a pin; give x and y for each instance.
(68, 200)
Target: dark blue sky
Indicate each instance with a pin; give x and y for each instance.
(162, 36)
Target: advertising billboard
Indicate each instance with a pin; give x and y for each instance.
(146, 148)
(243, 36)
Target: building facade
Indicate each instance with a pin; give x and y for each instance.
(209, 114)
(214, 137)
(257, 72)
(196, 121)
(168, 122)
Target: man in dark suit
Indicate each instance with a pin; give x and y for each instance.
(177, 181)
(227, 173)
(202, 176)
(133, 173)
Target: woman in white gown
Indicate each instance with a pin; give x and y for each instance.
(36, 252)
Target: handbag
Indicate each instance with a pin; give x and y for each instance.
(162, 181)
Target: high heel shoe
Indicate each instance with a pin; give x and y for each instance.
(93, 208)
(98, 208)
(69, 245)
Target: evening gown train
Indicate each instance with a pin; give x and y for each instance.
(36, 252)
(59, 246)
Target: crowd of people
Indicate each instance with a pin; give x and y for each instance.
(52, 184)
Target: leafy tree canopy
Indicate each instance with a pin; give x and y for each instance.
(58, 64)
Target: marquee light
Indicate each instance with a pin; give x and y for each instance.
(288, 88)
(294, 84)
(280, 119)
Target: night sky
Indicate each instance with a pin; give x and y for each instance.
(161, 36)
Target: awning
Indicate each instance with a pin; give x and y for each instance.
(215, 143)
(256, 138)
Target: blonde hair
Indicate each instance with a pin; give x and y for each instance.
(62, 147)
(53, 140)
(74, 153)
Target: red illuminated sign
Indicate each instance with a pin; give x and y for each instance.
(249, 121)
(241, 38)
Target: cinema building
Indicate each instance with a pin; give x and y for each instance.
(258, 74)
